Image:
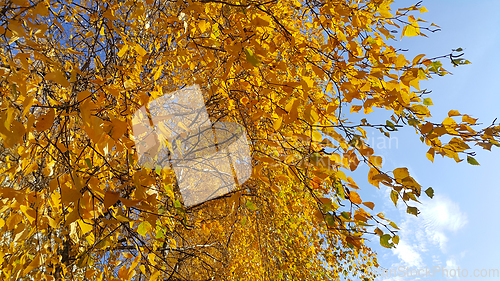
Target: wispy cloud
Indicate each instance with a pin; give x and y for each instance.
(439, 216)
(423, 239)
(409, 254)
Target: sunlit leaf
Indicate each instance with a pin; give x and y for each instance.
(430, 192)
(471, 160)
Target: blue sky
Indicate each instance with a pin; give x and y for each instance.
(459, 227)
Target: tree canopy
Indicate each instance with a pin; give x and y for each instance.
(77, 204)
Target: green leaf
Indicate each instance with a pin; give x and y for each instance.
(89, 164)
(394, 197)
(243, 221)
(143, 228)
(346, 215)
(251, 206)
(327, 207)
(389, 124)
(104, 243)
(177, 204)
(430, 192)
(251, 58)
(472, 161)
(160, 234)
(428, 101)
(458, 50)
(83, 260)
(412, 210)
(384, 241)
(160, 231)
(413, 122)
(434, 66)
(314, 158)
(355, 141)
(340, 190)
(329, 220)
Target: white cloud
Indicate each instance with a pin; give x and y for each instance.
(409, 254)
(450, 270)
(440, 215)
(421, 236)
(451, 264)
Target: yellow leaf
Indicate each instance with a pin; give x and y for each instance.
(355, 241)
(311, 115)
(466, 118)
(411, 30)
(420, 110)
(370, 205)
(134, 264)
(158, 72)
(52, 222)
(33, 264)
(417, 59)
(363, 132)
(45, 121)
(400, 173)
(29, 212)
(430, 154)
(423, 10)
(83, 95)
(58, 77)
(335, 158)
(109, 14)
(355, 108)
(119, 128)
(16, 133)
(458, 144)
(138, 48)
(449, 122)
(69, 194)
(262, 20)
(316, 136)
(129, 203)
(452, 113)
(354, 197)
(41, 9)
(329, 87)
(426, 128)
(384, 11)
(71, 51)
(16, 28)
(203, 26)
(10, 117)
(400, 61)
(110, 198)
(123, 50)
(277, 123)
(318, 71)
(27, 103)
(376, 161)
(85, 226)
(371, 177)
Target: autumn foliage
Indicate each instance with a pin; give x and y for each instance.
(75, 204)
